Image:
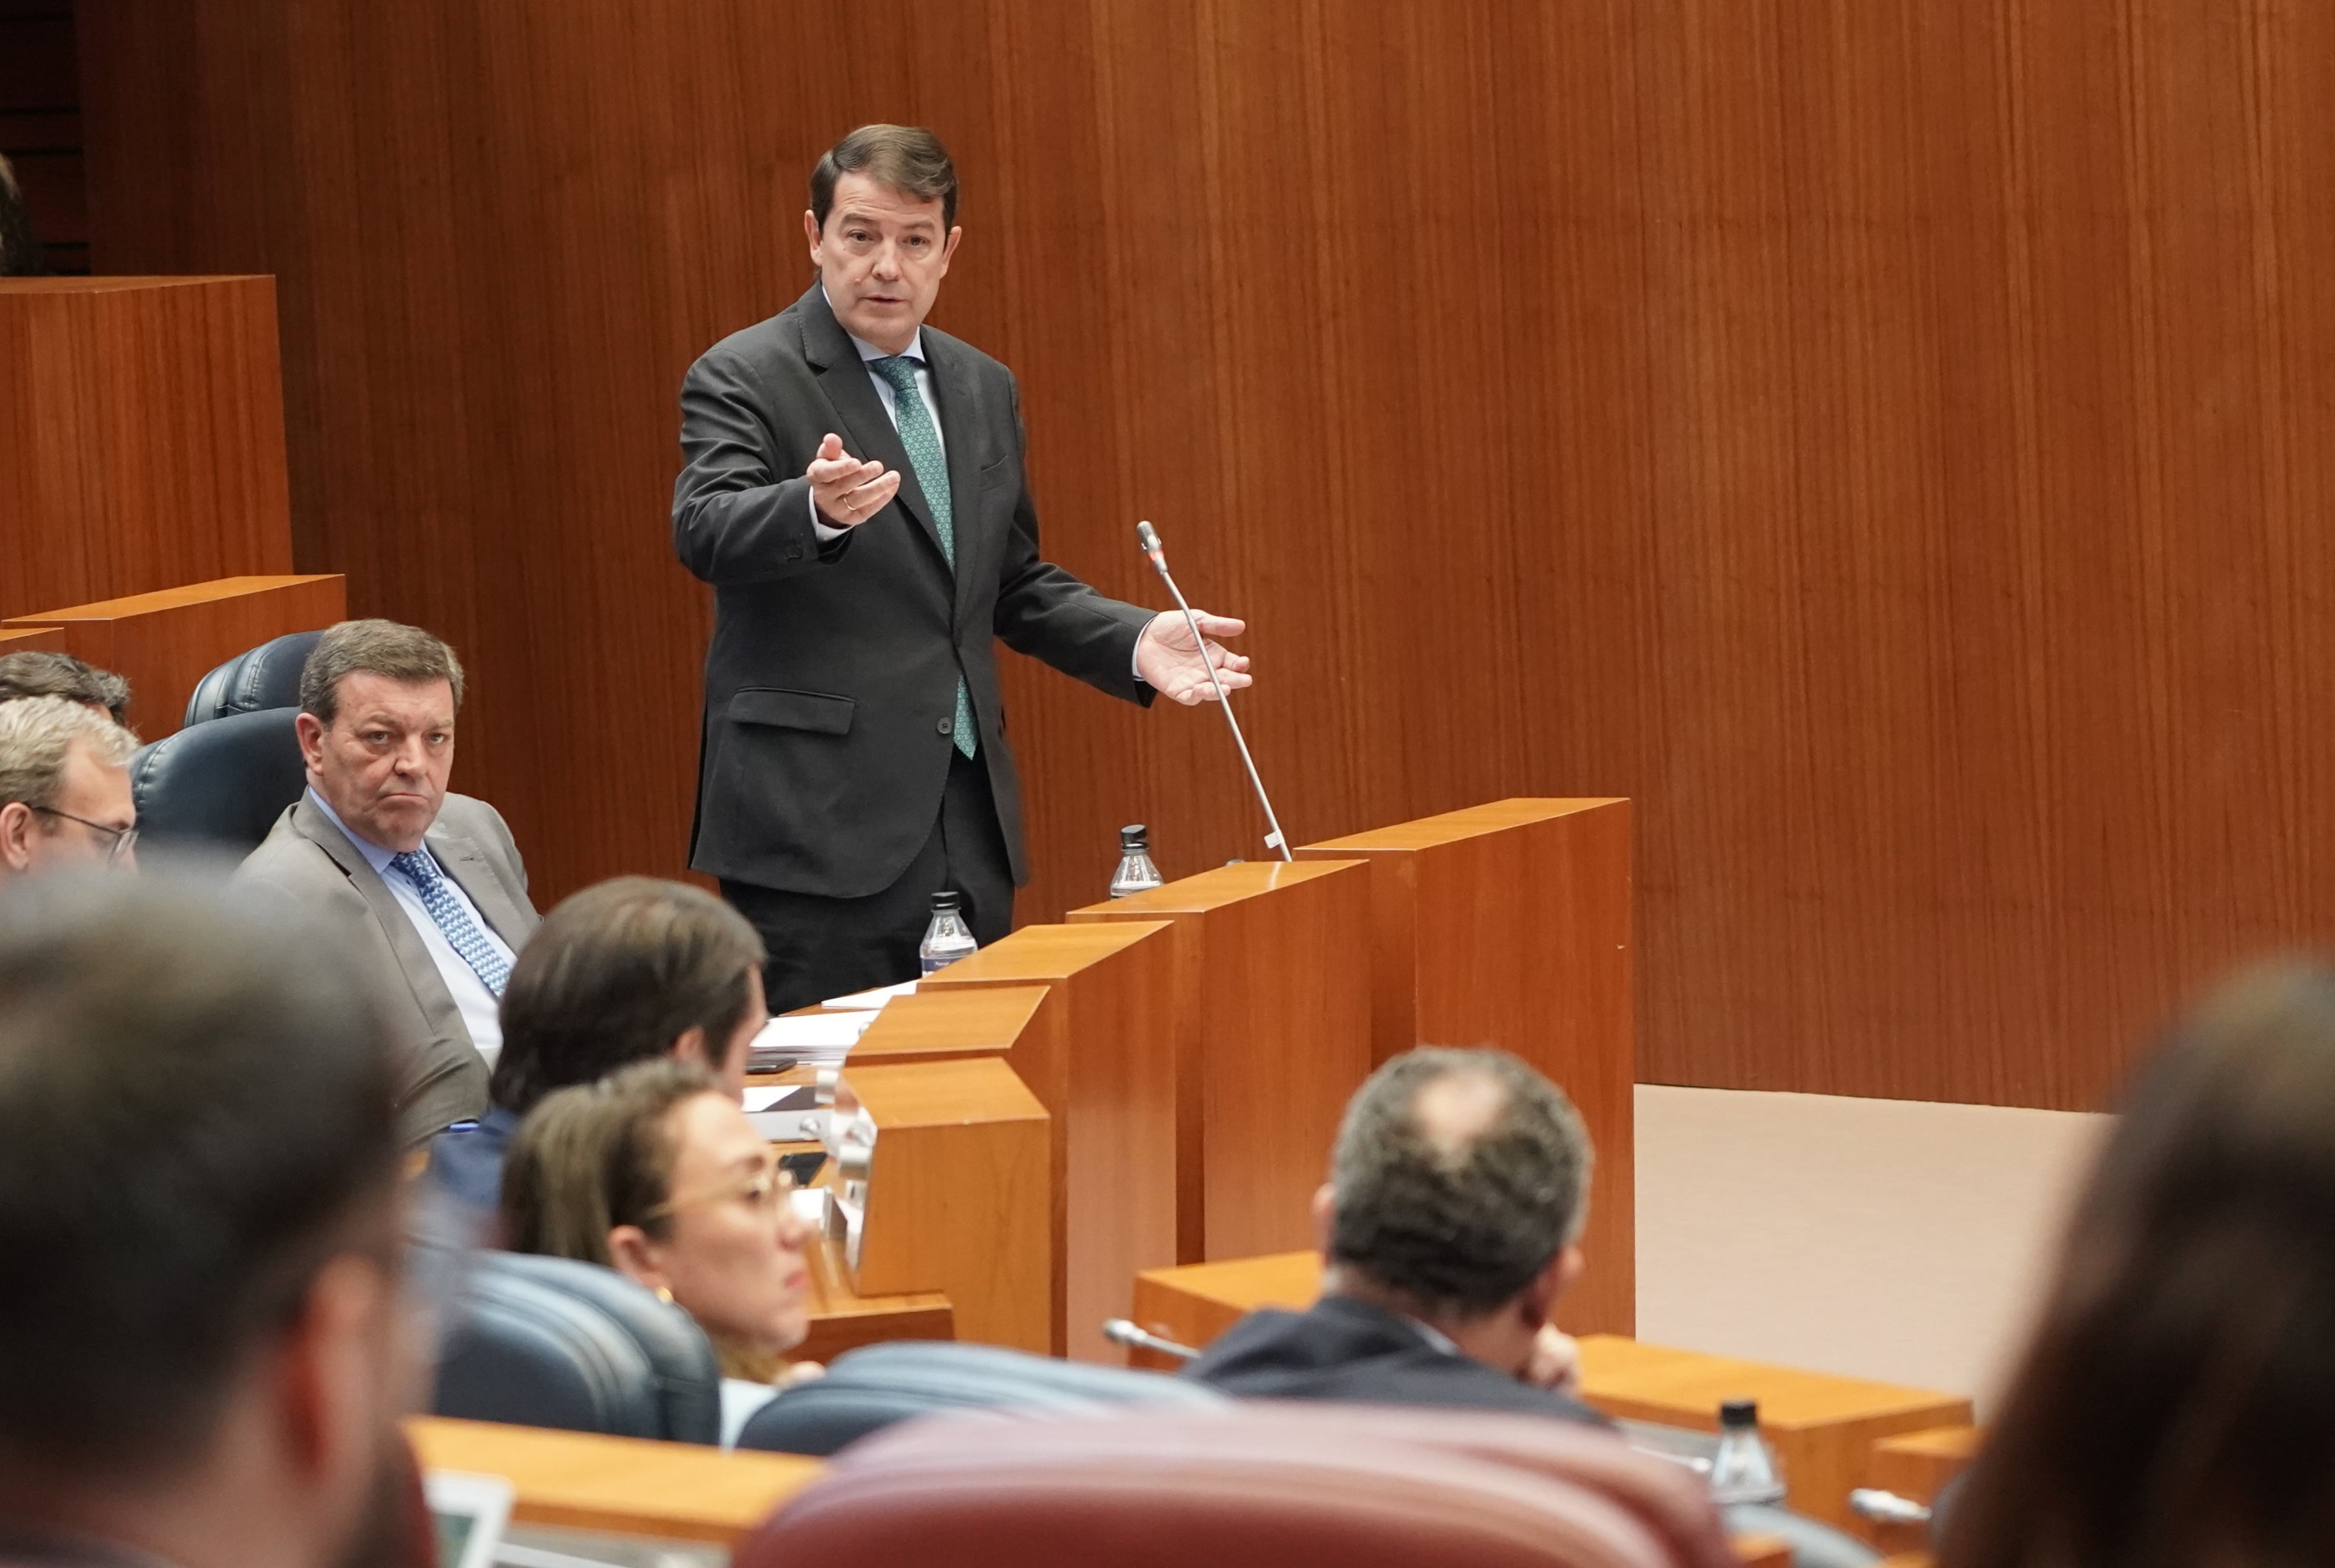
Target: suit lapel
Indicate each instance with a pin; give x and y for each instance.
(869, 432)
(961, 432)
(421, 971)
(475, 875)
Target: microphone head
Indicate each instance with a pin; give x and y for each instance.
(1146, 537)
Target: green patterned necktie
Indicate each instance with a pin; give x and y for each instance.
(923, 447)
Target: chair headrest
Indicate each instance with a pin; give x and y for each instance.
(552, 1342)
(868, 1390)
(221, 784)
(1259, 1484)
(267, 676)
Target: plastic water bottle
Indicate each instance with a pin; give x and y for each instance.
(948, 938)
(1744, 1468)
(1135, 871)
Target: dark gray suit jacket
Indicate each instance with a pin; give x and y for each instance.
(309, 858)
(831, 681)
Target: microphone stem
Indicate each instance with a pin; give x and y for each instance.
(1273, 840)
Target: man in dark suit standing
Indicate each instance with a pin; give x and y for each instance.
(1455, 1195)
(853, 489)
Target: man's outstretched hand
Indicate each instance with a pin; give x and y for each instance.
(1165, 656)
(849, 492)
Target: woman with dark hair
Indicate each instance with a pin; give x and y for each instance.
(2176, 1405)
(653, 1171)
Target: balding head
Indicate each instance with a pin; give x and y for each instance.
(1459, 1177)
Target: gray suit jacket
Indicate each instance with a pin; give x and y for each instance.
(307, 858)
(830, 685)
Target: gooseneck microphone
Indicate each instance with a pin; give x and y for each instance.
(1149, 539)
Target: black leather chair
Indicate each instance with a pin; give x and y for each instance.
(868, 1390)
(552, 1342)
(267, 676)
(216, 787)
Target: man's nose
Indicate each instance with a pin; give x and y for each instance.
(413, 756)
(887, 261)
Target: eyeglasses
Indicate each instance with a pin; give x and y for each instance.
(120, 839)
(765, 1191)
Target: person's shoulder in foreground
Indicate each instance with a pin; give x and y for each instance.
(1455, 1195)
(197, 1155)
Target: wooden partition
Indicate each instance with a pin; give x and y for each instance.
(1272, 1000)
(165, 642)
(959, 1195)
(26, 639)
(1099, 1052)
(1509, 924)
(141, 437)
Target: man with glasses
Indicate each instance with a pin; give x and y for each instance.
(64, 788)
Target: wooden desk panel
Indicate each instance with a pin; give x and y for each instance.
(1509, 924)
(932, 1025)
(165, 642)
(622, 1486)
(1272, 992)
(1100, 1054)
(841, 1319)
(26, 639)
(142, 436)
(960, 1197)
(1823, 1428)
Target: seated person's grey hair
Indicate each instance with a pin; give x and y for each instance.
(399, 652)
(1464, 1227)
(38, 733)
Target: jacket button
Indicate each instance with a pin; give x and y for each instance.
(945, 725)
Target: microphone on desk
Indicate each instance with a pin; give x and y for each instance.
(1120, 1332)
(1148, 538)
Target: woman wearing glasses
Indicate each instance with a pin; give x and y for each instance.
(655, 1172)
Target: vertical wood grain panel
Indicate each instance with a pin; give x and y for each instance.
(1885, 440)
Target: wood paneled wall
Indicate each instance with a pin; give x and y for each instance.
(1887, 439)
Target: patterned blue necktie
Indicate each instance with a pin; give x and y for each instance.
(462, 933)
(924, 446)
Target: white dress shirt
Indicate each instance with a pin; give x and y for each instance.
(481, 1014)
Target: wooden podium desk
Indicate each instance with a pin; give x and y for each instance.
(618, 1485)
(1099, 1051)
(141, 437)
(1509, 924)
(1273, 1033)
(1823, 1428)
(165, 642)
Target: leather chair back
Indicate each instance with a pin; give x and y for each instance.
(267, 676)
(219, 786)
(1317, 1486)
(540, 1341)
(868, 1390)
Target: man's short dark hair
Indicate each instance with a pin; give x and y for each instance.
(401, 652)
(195, 1116)
(907, 159)
(616, 974)
(1460, 1227)
(37, 672)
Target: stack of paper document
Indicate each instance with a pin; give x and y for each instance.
(812, 1039)
(869, 1000)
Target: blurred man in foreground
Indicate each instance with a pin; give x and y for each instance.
(202, 1348)
(64, 788)
(1455, 1194)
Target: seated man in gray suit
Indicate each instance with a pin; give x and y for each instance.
(426, 886)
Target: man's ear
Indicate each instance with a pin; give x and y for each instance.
(810, 232)
(16, 829)
(1541, 1295)
(690, 1046)
(311, 732)
(634, 1255)
(331, 1387)
(1325, 1216)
